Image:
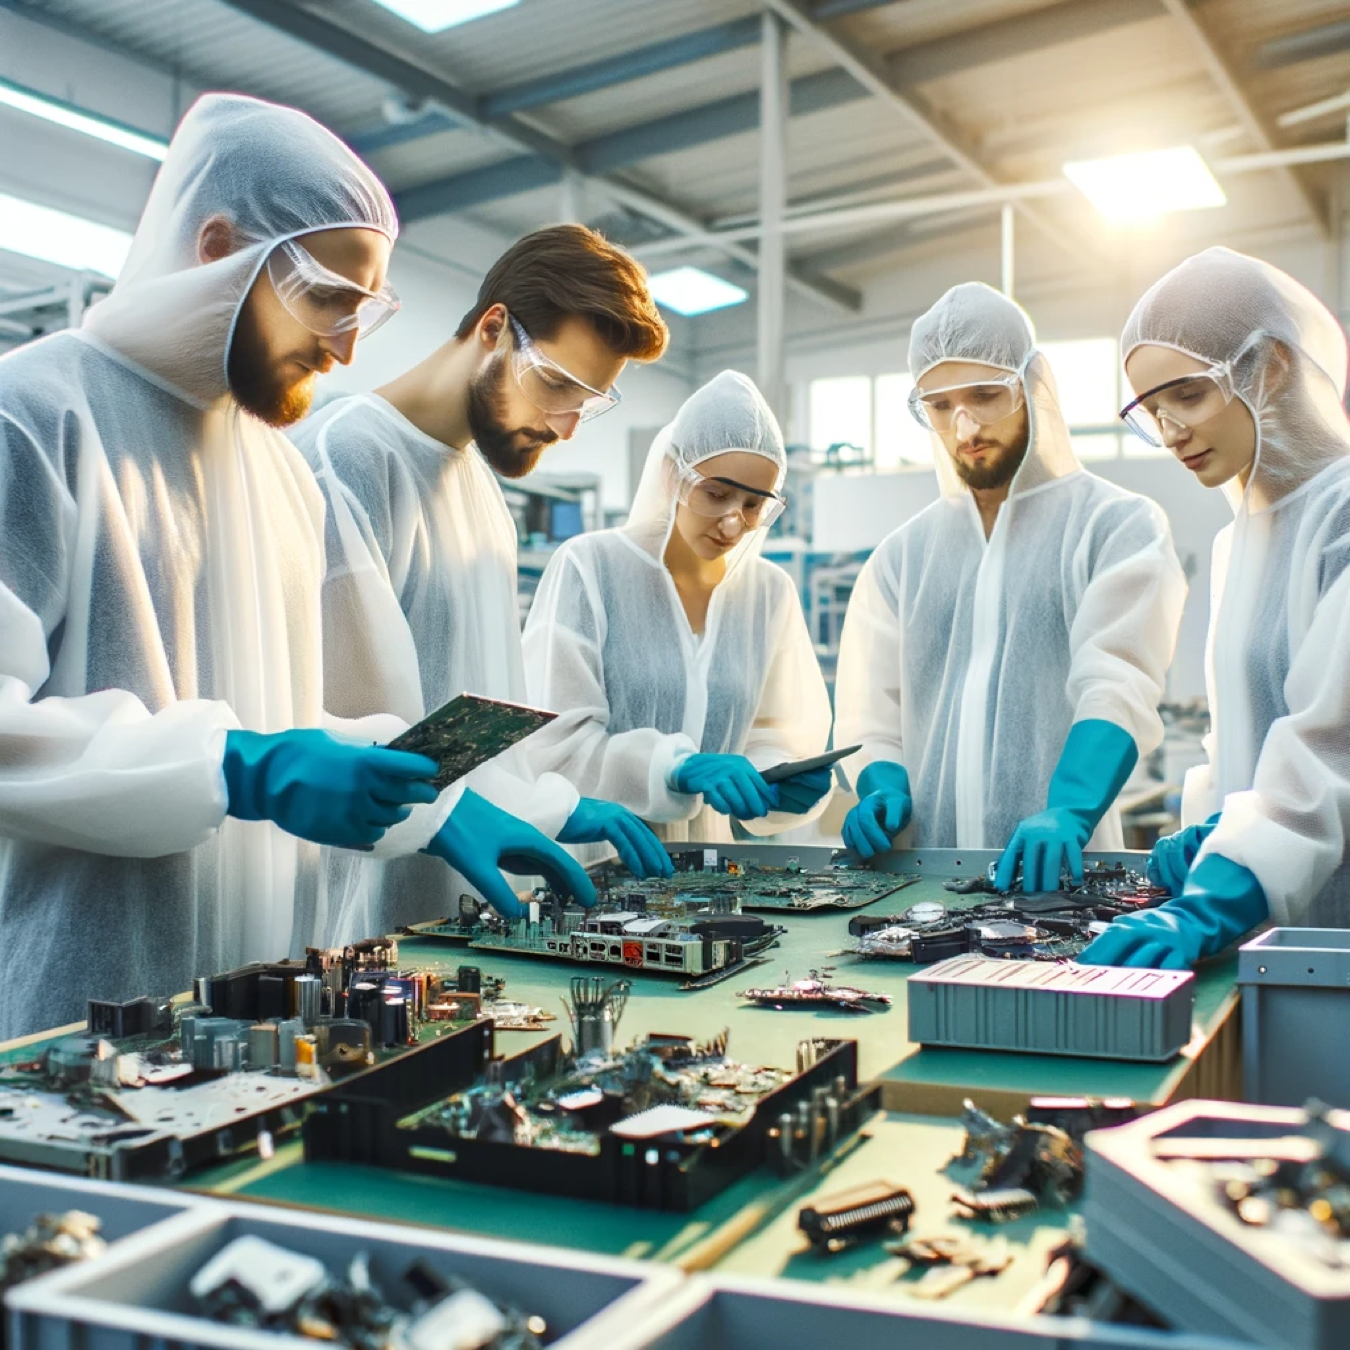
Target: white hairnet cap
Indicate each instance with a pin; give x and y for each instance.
(728, 415)
(273, 173)
(974, 322)
(1223, 307)
(971, 322)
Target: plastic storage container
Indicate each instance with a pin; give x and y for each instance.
(1294, 980)
(1161, 1233)
(123, 1209)
(725, 1314)
(137, 1296)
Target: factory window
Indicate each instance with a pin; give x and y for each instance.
(900, 440)
(841, 413)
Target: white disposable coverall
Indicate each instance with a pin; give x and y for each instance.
(430, 523)
(968, 660)
(1279, 637)
(609, 646)
(161, 555)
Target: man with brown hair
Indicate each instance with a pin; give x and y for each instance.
(407, 471)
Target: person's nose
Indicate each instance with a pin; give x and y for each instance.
(564, 425)
(340, 346)
(964, 425)
(1173, 433)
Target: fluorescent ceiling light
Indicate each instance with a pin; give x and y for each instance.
(435, 16)
(67, 115)
(58, 237)
(691, 290)
(1147, 183)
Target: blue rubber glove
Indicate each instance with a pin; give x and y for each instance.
(1173, 854)
(1097, 758)
(1221, 902)
(798, 794)
(883, 809)
(321, 788)
(729, 784)
(597, 822)
(481, 841)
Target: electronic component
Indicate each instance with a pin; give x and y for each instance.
(49, 1242)
(256, 1284)
(1061, 1009)
(1002, 1206)
(950, 1260)
(874, 1210)
(469, 731)
(777, 772)
(816, 991)
(595, 1010)
(665, 1124)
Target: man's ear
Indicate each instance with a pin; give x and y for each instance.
(492, 325)
(215, 240)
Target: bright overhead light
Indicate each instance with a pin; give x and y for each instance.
(1147, 184)
(691, 290)
(67, 115)
(58, 237)
(435, 16)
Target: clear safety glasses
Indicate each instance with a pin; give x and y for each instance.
(988, 402)
(719, 497)
(323, 301)
(1185, 402)
(552, 389)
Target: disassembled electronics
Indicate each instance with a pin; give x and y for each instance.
(49, 1242)
(1018, 1166)
(874, 1210)
(257, 1284)
(950, 1260)
(816, 991)
(1051, 926)
(1101, 1012)
(707, 874)
(666, 1124)
(160, 1084)
(469, 731)
(703, 939)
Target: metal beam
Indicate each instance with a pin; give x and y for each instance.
(552, 156)
(1247, 116)
(738, 114)
(873, 77)
(773, 120)
(1324, 40)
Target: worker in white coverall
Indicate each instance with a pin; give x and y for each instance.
(410, 471)
(678, 657)
(1240, 372)
(161, 557)
(1004, 651)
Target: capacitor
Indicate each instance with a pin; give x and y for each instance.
(469, 980)
(394, 1027)
(363, 1002)
(201, 990)
(262, 1045)
(287, 1034)
(785, 1138)
(308, 998)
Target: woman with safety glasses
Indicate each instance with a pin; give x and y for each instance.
(678, 658)
(1240, 373)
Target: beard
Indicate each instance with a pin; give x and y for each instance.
(256, 385)
(998, 468)
(511, 452)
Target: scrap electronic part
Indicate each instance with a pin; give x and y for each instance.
(666, 1124)
(197, 1079)
(1061, 1009)
(817, 991)
(697, 939)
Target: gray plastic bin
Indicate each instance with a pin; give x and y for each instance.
(123, 1209)
(1161, 1233)
(740, 1314)
(1295, 986)
(137, 1297)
